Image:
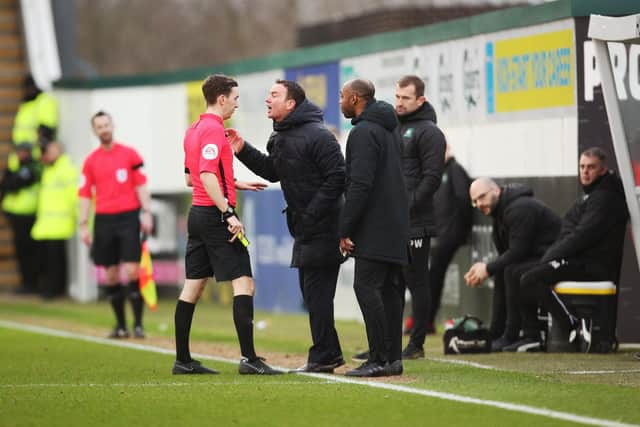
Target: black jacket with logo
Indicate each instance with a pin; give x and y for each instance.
(523, 227)
(423, 145)
(306, 158)
(593, 229)
(376, 214)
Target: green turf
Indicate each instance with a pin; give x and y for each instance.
(57, 381)
(537, 380)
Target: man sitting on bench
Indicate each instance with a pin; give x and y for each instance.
(589, 247)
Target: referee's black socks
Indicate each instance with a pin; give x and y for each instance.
(115, 293)
(135, 299)
(243, 319)
(183, 317)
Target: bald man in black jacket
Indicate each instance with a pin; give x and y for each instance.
(523, 229)
(374, 225)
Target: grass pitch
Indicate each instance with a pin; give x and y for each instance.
(49, 380)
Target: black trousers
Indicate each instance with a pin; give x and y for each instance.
(26, 249)
(441, 255)
(53, 268)
(512, 276)
(498, 307)
(318, 287)
(379, 288)
(416, 276)
(536, 288)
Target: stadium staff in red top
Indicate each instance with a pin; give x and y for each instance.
(215, 244)
(113, 174)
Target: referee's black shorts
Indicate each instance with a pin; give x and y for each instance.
(209, 252)
(116, 238)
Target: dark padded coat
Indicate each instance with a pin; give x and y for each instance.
(523, 227)
(306, 158)
(593, 229)
(376, 214)
(423, 145)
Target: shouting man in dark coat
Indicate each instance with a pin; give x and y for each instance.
(306, 158)
(374, 226)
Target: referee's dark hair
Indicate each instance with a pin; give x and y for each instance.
(294, 91)
(216, 85)
(100, 113)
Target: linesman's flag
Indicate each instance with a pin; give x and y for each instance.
(147, 284)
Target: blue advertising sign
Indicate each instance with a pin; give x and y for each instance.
(322, 85)
(270, 248)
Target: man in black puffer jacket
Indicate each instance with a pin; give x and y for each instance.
(374, 226)
(306, 158)
(523, 229)
(423, 146)
(589, 247)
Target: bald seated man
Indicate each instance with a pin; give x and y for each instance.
(523, 229)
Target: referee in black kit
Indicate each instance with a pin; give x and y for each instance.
(216, 243)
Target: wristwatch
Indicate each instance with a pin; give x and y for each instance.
(228, 214)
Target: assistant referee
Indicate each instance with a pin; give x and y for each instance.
(113, 174)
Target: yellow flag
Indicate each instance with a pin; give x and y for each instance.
(147, 284)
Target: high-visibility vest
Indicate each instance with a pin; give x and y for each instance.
(42, 110)
(25, 200)
(58, 202)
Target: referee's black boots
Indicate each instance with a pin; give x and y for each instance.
(190, 368)
(256, 367)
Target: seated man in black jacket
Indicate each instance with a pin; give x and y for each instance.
(306, 158)
(523, 228)
(589, 246)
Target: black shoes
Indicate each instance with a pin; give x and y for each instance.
(191, 368)
(412, 352)
(502, 342)
(256, 367)
(526, 344)
(138, 332)
(119, 333)
(361, 357)
(393, 368)
(324, 368)
(368, 369)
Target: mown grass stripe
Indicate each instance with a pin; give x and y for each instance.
(548, 413)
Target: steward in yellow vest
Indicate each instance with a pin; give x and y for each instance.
(56, 217)
(20, 183)
(37, 118)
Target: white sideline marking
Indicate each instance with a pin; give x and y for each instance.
(464, 363)
(621, 371)
(143, 385)
(549, 413)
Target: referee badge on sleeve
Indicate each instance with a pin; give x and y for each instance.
(121, 175)
(210, 151)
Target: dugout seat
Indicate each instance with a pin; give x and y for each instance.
(595, 305)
